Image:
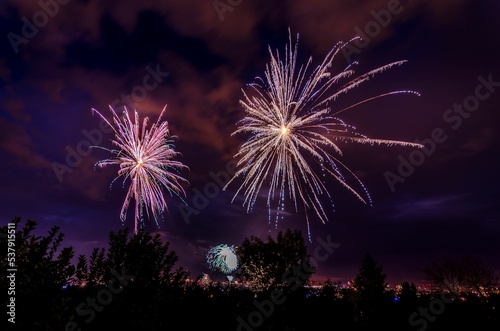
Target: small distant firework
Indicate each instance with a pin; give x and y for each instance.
(294, 131)
(204, 280)
(223, 258)
(146, 157)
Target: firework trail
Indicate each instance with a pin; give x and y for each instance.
(146, 157)
(222, 257)
(292, 128)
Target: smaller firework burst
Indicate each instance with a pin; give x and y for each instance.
(146, 157)
(223, 258)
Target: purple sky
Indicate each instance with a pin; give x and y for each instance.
(192, 58)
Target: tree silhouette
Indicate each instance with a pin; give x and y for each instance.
(479, 277)
(408, 300)
(279, 262)
(152, 284)
(457, 276)
(408, 295)
(370, 296)
(43, 272)
(142, 255)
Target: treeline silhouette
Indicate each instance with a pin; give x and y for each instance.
(134, 284)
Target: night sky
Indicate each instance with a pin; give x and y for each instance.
(195, 59)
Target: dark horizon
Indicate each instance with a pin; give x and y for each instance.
(195, 59)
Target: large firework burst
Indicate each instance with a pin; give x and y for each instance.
(293, 127)
(223, 258)
(146, 157)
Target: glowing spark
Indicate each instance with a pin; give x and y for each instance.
(145, 156)
(223, 258)
(290, 121)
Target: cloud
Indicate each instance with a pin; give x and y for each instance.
(453, 205)
(479, 142)
(322, 22)
(20, 148)
(16, 109)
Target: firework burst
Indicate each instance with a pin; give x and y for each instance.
(146, 157)
(222, 257)
(293, 129)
